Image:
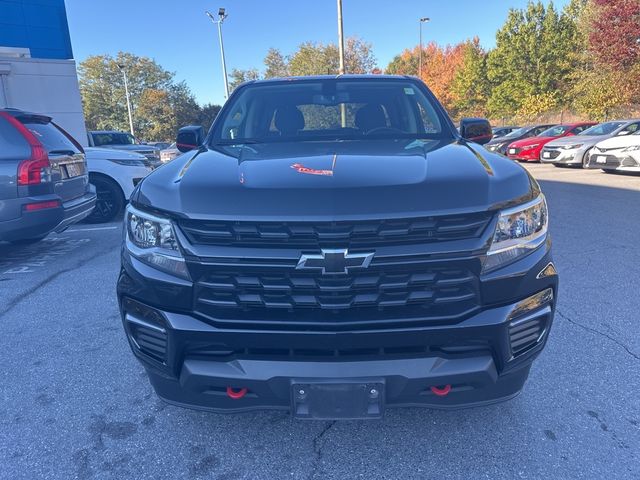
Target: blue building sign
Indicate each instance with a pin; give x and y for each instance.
(39, 25)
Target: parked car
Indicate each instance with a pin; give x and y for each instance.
(574, 150)
(122, 141)
(502, 131)
(114, 173)
(159, 145)
(44, 185)
(528, 150)
(169, 153)
(617, 154)
(293, 263)
(500, 145)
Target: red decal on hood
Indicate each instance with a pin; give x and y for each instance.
(298, 167)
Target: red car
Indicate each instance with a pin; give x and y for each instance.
(528, 149)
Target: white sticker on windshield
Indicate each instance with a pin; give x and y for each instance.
(409, 91)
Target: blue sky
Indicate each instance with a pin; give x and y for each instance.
(178, 35)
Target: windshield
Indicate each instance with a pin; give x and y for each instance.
(113, 138)
(602, 129)
(329, 109)
(555, 131)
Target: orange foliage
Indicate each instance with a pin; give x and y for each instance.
(439, 68)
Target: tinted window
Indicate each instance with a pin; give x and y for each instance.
(632, 128)
(602, 129)
(540, 129)
(115, 138)
(49, 135)
(518, 133)
(555, 131)
(580, 128)
(329, 109)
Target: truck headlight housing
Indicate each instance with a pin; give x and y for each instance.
(519, 231)
(152, 240)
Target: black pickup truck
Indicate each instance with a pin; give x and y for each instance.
(334, 247)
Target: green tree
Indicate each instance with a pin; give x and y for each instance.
(238, 76)
(323, 59)
(159, 105)
(533, 56)
(470, 87)
(208, 113)
(276, 64)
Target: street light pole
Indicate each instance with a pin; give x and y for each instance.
(126, 91)
(422, 20)
(341, 71)
(221, 16)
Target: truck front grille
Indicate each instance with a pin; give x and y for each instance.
(370, 233)
(411, 293)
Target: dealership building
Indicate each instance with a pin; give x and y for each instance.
(37, 69)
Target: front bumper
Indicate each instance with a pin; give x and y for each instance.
(622, 163)
(192, 362)
(525, 155)
(563, 157)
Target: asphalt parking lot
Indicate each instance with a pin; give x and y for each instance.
(75, 403)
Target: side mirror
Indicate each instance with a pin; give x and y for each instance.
(476, 130)
(189, 138)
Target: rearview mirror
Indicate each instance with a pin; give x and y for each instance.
(190, 138)
(476, 130)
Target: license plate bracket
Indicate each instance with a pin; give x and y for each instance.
(601, 159)
(355, 400)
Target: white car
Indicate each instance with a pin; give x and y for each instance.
(617, 154)
(114, 173)
(169, 153)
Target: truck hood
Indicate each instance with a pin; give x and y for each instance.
(331, 180)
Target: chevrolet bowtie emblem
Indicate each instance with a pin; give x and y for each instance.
(338, 261)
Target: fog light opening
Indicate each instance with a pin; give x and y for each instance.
(236, 394)
(441, 391)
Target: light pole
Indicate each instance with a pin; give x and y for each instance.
(126, 91)
(422, 20)
(221, 16)
(341, 71)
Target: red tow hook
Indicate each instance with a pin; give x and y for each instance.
(236, 394)
(441, 391)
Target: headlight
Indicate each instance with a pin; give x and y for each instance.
(152, 240)
(519, 231)
(529, 147)
(128, 162)
(572, 147)
(632, 148)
